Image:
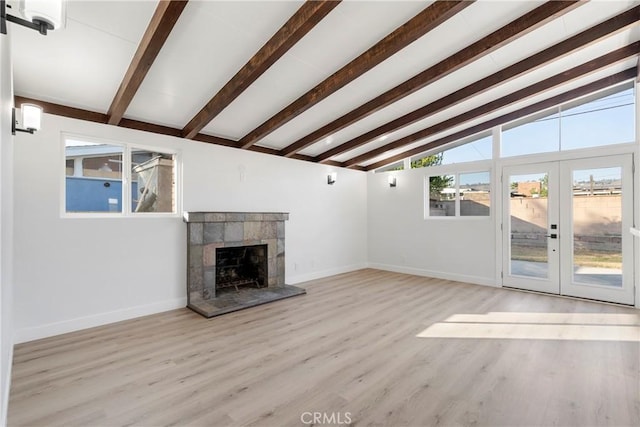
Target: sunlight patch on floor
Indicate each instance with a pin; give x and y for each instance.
(550, 318)
(539, 326)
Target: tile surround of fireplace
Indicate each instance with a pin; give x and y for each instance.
(208, 233)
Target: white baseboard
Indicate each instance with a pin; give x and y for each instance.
(485, 281)
(57, 328)
(300, 278)
(65, 326)
(5, 391)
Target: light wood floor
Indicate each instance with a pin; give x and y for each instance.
(372, 347)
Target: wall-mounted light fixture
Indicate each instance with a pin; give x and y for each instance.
(31, 118)
(42, 16)
(392, 180)
(331, 178)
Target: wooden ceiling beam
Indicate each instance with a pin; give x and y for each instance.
(149, 127)
(210, 139)
(162, 22)
(581, 40)
(512, 31)
(91, 116)
(275, 152)
(600, 84)
(303, 21)
(419, 25)
(63, 110)
(519, 95)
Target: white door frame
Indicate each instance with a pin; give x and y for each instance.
(501, 164)
(625, 294)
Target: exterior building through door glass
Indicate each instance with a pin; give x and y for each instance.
(528, 206)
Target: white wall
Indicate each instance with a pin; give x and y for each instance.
(72, 273)
(400, 239)
(636, 184)
(6, 224)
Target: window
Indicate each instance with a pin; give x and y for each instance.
(475, 194)
(537, 134)
(472, 149)
(152, 181)
(96, 177)
(442, 195)
(464, 194)
(475, 149)
(604, 118)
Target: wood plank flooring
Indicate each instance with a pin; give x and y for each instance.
(369, 347)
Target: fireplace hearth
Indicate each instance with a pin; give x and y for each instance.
(235, 261)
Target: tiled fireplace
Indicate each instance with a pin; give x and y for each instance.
(235, 261)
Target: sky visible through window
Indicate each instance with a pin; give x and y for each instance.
(479, 149)
(599, 122)
(470, 178)
(598, 174)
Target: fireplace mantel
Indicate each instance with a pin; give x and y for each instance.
(209, 231)
(234, 216)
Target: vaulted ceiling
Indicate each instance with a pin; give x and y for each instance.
(358, 84)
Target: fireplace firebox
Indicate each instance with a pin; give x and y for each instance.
(241, 266)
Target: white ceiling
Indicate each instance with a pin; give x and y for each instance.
(82, 66)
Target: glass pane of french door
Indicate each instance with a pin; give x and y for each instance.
(596, 209)
(530, 212)
(528, 224)
(597, 226)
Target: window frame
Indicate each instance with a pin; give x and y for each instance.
(456, 169)
(127, 149)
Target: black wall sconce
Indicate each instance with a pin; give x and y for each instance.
(42, 16)
(331, 178)
(392, 181)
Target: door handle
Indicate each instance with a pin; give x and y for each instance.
(552, 235)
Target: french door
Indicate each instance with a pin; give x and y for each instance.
(565, 228)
